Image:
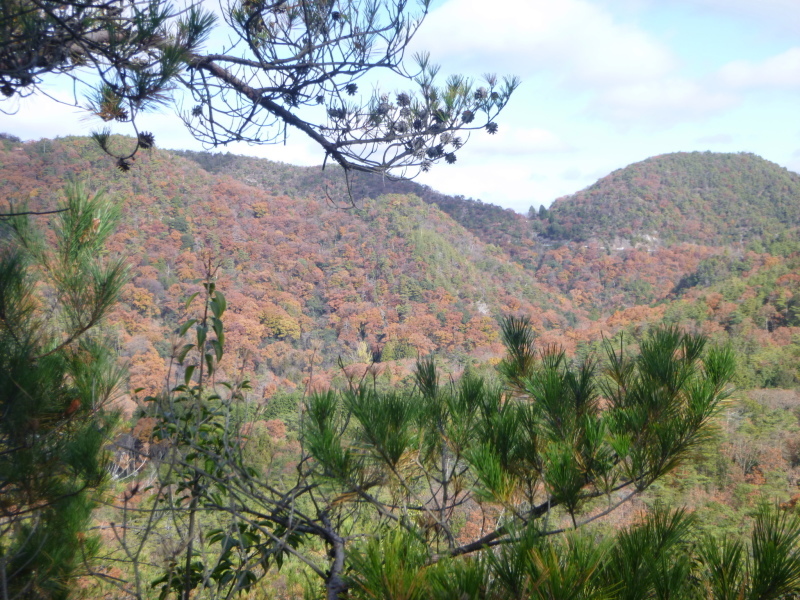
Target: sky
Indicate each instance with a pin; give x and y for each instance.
(605, 83)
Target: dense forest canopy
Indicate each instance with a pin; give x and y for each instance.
(423, 392)
(407, 271)
(223, 377)
(687, 196)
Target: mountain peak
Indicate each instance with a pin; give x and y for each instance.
(685, 196)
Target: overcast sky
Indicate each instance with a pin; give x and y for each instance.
(605, 83)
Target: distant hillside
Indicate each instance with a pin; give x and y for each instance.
(493, 224)
(390, 279)
(598, 280)
(403, 274)
(700, 197)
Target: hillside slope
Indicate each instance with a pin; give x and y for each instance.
(599, 279)
(495, 225)
(692, 197)
(395, 276)
(390, 279)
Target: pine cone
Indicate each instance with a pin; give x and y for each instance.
(146, 140)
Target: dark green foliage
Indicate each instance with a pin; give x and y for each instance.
(284, 405)
(55, 383)
(390, 566)
(658, 558)
(713, 270)
(551, 445)
(653, 560)
(725, 562)
(518, 337)
(775, 570)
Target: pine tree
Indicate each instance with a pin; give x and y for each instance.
(460, 489)
(56, 380)
(289, 64)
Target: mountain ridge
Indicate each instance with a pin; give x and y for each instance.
(395, 276)
(684, 196)
(389, 279)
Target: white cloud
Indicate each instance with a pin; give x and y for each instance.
(662, 103)
(781, 15)
(299, 150)
(622, 73)
(38, 117)
(575, 39)
(509, 183)
(779, 71)
(517, 142)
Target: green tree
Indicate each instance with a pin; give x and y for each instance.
(467, 476)
(292, 63)
(55, 383)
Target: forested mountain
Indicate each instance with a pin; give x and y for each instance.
(320, 283)
(395, 270)
(691, 197)
(500, 226)
(706, 204)
(388, 279)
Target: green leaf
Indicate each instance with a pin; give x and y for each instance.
(185, 327)
(218, 350)
(202, 332)
(183, 352)
(210, 363)
(218, 304)
(187, 376)
(190, 300)
(218, 329)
